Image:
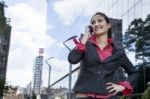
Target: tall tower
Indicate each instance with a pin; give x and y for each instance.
(38, 72)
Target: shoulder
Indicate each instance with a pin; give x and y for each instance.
(118, 47)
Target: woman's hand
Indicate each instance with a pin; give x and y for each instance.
(114, 88)
(86, 36)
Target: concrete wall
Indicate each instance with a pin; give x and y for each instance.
(14, 97)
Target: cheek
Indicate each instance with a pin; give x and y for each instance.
(106, 28)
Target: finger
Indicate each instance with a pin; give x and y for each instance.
(109, 83)
(115, 93)
(112, 90)
(110, 87)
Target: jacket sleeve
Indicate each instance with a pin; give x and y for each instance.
(75, 56)
(77, 53)
(133, 74)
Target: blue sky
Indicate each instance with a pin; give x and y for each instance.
(44, 24)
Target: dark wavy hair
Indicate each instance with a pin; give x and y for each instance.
(107, 20)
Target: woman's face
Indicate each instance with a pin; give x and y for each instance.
(99, 25)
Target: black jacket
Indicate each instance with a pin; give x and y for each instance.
(94, 73)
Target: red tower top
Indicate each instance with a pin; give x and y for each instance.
(41, 51)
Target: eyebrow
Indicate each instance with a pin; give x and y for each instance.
(96, 19)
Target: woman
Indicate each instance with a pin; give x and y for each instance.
(100, 58)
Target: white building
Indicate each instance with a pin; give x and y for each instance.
(29, 89)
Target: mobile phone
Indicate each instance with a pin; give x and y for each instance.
(90, 29)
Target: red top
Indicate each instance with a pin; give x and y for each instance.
(104, 54)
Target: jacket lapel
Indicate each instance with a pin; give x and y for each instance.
(116, 53)
(114, 56)
(95, 54)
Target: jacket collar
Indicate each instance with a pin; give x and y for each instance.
(93, 40)
(116, 52)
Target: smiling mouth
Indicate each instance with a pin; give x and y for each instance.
(99, 28)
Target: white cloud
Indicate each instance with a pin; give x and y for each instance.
(27, 36)
(78, 7)
(60, 45)
(39, 6)
(23, 17)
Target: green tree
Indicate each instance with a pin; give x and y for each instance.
(137, 39)
(33, 95)
(146, 94)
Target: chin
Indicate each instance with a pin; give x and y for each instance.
(99, 33)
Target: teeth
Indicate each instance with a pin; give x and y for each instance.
(97, 28)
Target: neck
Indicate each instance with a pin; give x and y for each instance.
(102, 39)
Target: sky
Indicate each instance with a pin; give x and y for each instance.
(41, 24)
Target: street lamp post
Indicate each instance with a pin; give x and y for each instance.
(46, 61)
(70, 66)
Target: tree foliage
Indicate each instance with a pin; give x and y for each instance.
(137, 39)
(146, 94)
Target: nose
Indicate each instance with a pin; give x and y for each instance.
(96, 23)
